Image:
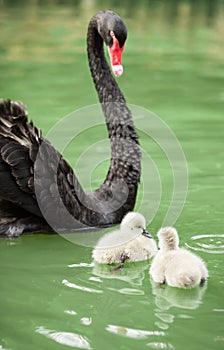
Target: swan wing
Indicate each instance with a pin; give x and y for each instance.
(23, 152)
(15, 162)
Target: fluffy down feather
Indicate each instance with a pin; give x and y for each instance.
(176, 266)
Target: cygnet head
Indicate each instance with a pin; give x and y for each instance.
(135, 222)
(168, 238)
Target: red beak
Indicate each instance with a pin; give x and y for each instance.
(115, 52)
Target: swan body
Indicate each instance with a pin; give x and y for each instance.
(39, 190)
(176, 266)
(131, 241)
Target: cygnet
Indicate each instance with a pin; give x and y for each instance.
(176, 266)
(131, 242)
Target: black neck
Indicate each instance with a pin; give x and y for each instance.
(110, 203)
(125, 152)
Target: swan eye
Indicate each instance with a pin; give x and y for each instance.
(112, 34)
(109, 41)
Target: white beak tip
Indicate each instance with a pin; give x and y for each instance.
(117, 70)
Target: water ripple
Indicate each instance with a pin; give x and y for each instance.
(65, 338)
(87, 321)
(81, 265)
(218, 310)
(165, 317)
(160, 345)
(132, 333)
(162, 325)
(76, 286)
(95, 279)
(210, 243)
(70, 312)
(128, 291)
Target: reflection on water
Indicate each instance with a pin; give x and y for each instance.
(170, 303)
(132, 333)
(167, 297)
(133, 275)
(128, 291)
(65, 338)
(160, 345)
(87, 321)
(81, 265)
(70, 312)
(82, 288)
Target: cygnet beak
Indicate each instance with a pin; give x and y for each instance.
(146, 233)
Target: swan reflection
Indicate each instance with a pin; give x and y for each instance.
(167, 297)
(134, 274)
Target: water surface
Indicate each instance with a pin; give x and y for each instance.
(52, 295)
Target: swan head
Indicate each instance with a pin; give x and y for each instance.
(114, 33)
(135, 224)
(168, 238)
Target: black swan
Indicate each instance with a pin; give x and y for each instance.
(32, 172)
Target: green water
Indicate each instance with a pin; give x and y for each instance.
(52, 296)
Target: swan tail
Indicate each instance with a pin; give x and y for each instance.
(14, 124)
(20, 150)
(19, 142)
(20, 158)
(189, 280)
